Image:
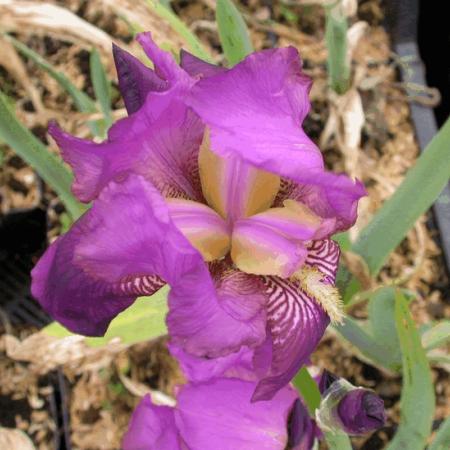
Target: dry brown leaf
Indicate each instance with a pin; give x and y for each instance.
(27, 15)
(14, 439)
(359, 269)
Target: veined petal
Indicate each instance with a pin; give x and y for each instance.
(160, 142)
(219, 415)
(202, 226)
(197, 67)
(217, 318)
(232, 187)
(296, 320)
(123, 247)
(274, 242)
(152, 427)
(135, 79)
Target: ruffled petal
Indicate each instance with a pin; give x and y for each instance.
(254, 112)
(196, 67)
(135, 79)
(122, 248)
(296, 319)
(219, 415)
(151, 427)
(160, 142)
(216, 318)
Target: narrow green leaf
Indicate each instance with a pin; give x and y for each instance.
(382, 321)
(81, 100)
(233, 32)
(417, 400)
(442, 438)
(365, 343)
(195, 46)
(437, 335)
(420, 188)
(308, 389)
(142, 321)
(102, 86)
(338, 441)
(31, 149)
(336, 27)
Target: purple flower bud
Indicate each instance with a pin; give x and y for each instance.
(346, 408)
(302, 430)
(361, 411)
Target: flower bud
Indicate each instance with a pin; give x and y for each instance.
(349, 409)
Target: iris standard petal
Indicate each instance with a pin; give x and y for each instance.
(297, 317)
(232, 187)
(123, 247)
(135, 79)
(275, 242)
(151, 427)
(202, 226)
(255, 111)
(197, 67)
(219, 415)
(217, 317)
(160, 142)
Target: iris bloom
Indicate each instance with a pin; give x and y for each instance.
(219, 415)
(210, 185)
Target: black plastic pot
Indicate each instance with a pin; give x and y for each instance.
(403, 24)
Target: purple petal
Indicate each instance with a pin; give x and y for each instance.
(196, 67)
(361, 411)
(198, 369)
(211, 318)
(219, 415)
(302, 429)
(151, 427)
(135, 79)
(165, 65)
(296, 323)
(333, 204)
(123, 247)
(160, 142)
(254, 112)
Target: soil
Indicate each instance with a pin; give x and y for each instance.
(99, 400)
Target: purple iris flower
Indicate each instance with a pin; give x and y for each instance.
(354, 410)
(219, 415)
(211, 186)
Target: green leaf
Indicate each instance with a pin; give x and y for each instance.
(442, 438)
(417, 400)
(366, 344)
(195, 46)
(420, 188)
(233, 32)
(142, 321)
(336, 27)
(437, 335)
(308, 389)
(382, 321)
(338, 441)
(82, 101)
(31, 149)
(102, 86)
